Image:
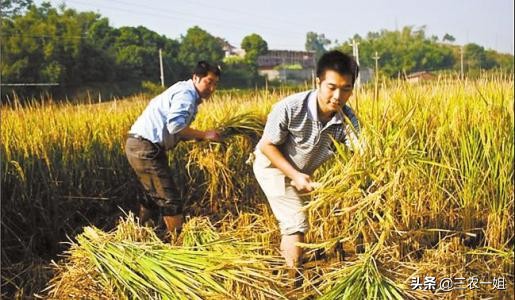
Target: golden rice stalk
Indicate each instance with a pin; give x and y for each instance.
(361, 280)
(248, 124)
(130, 267)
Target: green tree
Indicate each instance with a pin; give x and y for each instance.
(410, 50)
(237, 72)
(174, 69)
(47, 45)
(448, 38)
(198, 45)
(254, 46)
(316, 42)
(102, 56)
(80, 50)
(245, 73)
(137, 54)
(402, 52)
(476, 58)
(501, 61)
(10, 8)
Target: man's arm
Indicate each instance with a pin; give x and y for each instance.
(301, 181)
(178, 119)
(188, 133)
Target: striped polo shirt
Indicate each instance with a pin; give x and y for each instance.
(293, 126)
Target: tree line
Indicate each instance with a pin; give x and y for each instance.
(81, 51)
(410, 50)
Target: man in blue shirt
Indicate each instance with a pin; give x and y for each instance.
(164, 122)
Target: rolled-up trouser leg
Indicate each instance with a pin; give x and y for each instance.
(286, 203)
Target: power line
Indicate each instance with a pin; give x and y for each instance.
(203, 17)
(225, 9)
(167, 16)
(167, 13)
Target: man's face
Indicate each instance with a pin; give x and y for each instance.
(206, 85)
(335, 89)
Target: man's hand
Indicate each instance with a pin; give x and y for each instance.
(212, 135)
(302, 182)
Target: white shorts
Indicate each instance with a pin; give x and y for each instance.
(285, 201)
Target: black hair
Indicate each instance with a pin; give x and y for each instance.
(339, 62)
(203, 67)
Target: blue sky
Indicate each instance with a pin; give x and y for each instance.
(284, 24)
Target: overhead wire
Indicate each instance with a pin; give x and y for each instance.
(159, 13)
(170, 14)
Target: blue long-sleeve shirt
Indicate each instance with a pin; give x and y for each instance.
(167, 114)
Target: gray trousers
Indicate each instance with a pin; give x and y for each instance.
(150, 163)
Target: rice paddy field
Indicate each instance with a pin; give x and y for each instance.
(425, 212)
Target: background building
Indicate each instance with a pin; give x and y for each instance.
(287, 65)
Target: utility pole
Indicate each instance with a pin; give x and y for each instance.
(355, 53)
(161, 68)
(462, 75)
(376, 57)
(283, 69)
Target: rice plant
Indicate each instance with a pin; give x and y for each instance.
(431, 194)
(361, 280)
(132, 263)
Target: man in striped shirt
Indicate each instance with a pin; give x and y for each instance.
(164, 122)
(297, 140)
